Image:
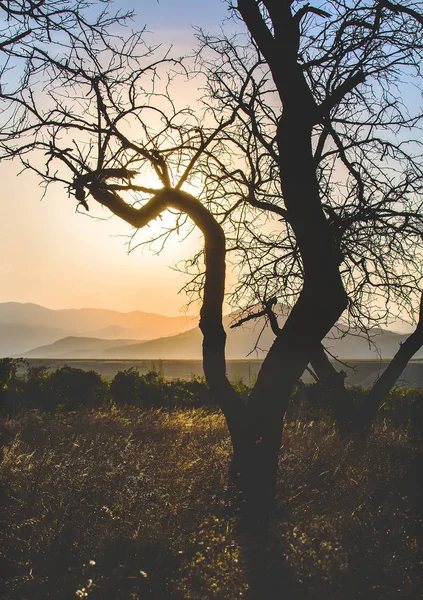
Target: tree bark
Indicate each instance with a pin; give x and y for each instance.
(323, 298)
(281, 369)
(358, 421)
(211, 314)
(369, 407)
(339, 398)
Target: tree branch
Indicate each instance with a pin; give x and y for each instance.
(340, 92)
(214, 336)
(370, 405)
(400, 9)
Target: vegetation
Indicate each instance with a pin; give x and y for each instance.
(24, 388)
(123, 503)
(66, 389)
(311, 176)
(117, 490)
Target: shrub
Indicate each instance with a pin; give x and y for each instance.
(12, 398)
(73, 388)
(127, 388)
(35, 387)
(192, 394)
(151, 390)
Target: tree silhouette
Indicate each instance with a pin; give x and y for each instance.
(306, 175)
(357, 62)
(26, 26)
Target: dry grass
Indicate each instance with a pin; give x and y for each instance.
(131, 504)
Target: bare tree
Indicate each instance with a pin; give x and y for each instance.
(29, 27)
(290, 153)
(358, 62)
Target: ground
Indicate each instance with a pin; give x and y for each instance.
(124, 503)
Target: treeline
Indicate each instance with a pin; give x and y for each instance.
(24, 387)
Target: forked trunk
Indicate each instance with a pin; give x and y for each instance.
(370, 405)
(358, 421)
(339, 398)
(268, 402)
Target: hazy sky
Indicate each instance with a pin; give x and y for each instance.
(52, 256)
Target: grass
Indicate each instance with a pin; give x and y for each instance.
(131, 504)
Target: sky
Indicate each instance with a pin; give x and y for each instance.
(53, 256)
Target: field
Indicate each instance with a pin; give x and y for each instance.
(128, 503)
(361, 372)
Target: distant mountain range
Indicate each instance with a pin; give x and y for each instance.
(17, 338)
(77, 347)
(36, 332)
(27, 326)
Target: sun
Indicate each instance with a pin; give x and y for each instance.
(171, 225)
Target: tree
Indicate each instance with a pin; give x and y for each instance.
(306, 90)
(354, 61)
(29, 25)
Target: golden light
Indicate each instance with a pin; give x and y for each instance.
(168, 220)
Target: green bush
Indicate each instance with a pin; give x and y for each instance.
(73, 389)
(147, 391)
(125, 387)
(151, 390)
(35, 387)
(12, 397)
(192, 394)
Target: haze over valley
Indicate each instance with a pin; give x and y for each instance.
(25, 326)
(33, 331)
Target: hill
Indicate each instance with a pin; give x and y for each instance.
(27, 326)
(77, 347)
(249, 341)
(92, 319)
(16, 338)
(243, 343)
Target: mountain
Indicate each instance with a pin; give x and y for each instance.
(89, 320)
(77, 347)
(381, 343)
(27, 326)
(16, 338)
(35, 331)
(241, 343)
(183, 346)
(116, 332)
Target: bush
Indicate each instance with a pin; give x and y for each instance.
(129, 387)
(6, 371)
(12, 399)
(192, 394)
(151, 390)
(35, 387)
(72, 389)
(24, 387)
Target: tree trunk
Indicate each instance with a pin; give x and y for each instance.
(358, 421)
(339, 398)
(370, 405)
(322, 299)
(284, 364)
